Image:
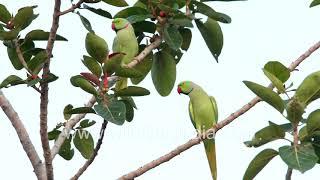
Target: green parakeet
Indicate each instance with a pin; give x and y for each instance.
(124, 42)
(203, 113)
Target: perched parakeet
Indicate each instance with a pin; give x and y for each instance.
(203, 113)
(125, 42)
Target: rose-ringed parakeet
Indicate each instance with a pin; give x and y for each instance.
(125, 42)
(203, 113)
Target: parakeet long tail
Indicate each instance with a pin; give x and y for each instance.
(210, 148)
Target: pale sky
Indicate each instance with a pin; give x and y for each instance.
(260, 31)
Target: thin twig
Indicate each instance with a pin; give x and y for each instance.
(220, 125)
(73, 121)
(45, 92)
(72, 8)
(289, 174)
(95, 152)
(23, 137)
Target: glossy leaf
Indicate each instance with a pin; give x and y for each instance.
(118, 3)
(303, 134)
(99, 11)
(83, 141)
(144, 26)
(138, 18)
(96, 47)
(302, 158)
(315, 3)
(127, 72)
(163, 72)
(115, 112)
(313, 121)
(130, 100)
(36, 63)
(9, 35)
(275, 81)
(265, 135)
(24, 17)
(208, 11)
(308, 90)
(49, 78)
(33, 82)
(129, 111)
(52, 135)
(212, 35)
(278, 70)
(11, 80)
(172, 37)
(66, 152)
(79, 81)
(5, 15)
(266, 94)
(86, 23)
(66, 109)
(132, 91)
(181, 20)
(186, 38)
(92, 65)
(287, 127)
(40, 35)
(87, 123)
(259, 162)
(80, 110)
(131, 11)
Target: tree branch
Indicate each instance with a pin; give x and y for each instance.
(72, 8)
(95, 153)
(289, 174)
(73, 121)
(23, 137)
(45, 93)
(217, 127)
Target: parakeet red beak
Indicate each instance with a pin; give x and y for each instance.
(179, 90)
(113, 26)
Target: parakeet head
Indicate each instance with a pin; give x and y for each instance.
(185, 87)
(119, 23)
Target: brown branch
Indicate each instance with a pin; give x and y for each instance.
(217, 127)
(23, 137)
(73, 121)
(95, 152)
(72, 8)
(45, 93)
(289, 174)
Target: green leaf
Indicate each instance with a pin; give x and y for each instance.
(99, 11)
(118, 3)
(24, 17)
(278, 70)
(87, 123)
(66, 152)
(86, 23)
(65, 111)
(80, 110)
(83, 141)
(92, 65)
(36, 63)
(208, 11)
(127, 72)
(130, 100)
(212, 35)
(266, 135)
(303, 134)
(138, 18)
(308, 90)
(301, 158)
(259, 162)
(40, 35)
(96, 47)
(129, 110)
(52, 135)
(115, 112)
(9, 35)
(132, 91)
(287, 127)
(221, 0)
(50, 78)
(313, 121)
(112, 63)
(79, 81)
(11, 80)
(163, 72)
(144, 26)
(33, 82)
(186, 38)
(5, 15)
(13, 56)
(144, 67)
(275, 81)
(267, 95)
(181, 20)
(316, 146)
(131, 11)
(295, 109)
(315, 3)
(172, 37)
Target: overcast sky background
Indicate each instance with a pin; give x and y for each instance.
(260, 31)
